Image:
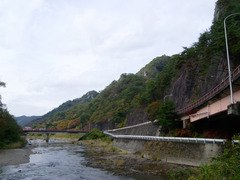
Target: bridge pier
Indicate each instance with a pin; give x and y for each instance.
(47, 137)
(185, 123)
(234, 109)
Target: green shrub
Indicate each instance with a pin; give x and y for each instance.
(226, 166)
(167, 116)
(94, 134)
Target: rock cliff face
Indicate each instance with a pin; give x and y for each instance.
(189, 85)
(219, 9)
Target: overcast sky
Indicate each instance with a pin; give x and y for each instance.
(52, 51)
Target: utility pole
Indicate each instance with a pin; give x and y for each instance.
(228, 60)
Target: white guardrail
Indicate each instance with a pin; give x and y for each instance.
(171, 139)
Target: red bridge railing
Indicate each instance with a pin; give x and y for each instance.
(220, 87)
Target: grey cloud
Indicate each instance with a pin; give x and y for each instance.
(52, 52)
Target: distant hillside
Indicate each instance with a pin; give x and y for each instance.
(59, 112)
(23, 120)
(109, 108)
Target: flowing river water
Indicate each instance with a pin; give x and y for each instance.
(58, 160)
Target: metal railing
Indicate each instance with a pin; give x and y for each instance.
(220, 87)
(171, 139)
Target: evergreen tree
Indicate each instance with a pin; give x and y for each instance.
(167, 116)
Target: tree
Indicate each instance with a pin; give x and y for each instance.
(153, 109)
(9, 129)
(2, 84)
(167, 116)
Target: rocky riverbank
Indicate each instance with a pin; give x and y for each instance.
(105, 156)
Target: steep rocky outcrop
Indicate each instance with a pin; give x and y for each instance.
(154, 67)
(189, 85)
(219, 9)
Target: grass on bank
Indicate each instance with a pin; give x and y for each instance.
(20, 143)
(97, 138)
(65, 136)
(93, 135)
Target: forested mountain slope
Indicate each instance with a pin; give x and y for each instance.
(109, 108)
(187, 76)
(23, 120)
(53, 119)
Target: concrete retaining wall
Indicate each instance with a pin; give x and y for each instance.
(146, 129)
(187, 153)
(193, 154)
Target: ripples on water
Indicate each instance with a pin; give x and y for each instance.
(57, 160)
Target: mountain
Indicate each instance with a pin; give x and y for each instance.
(23, 120)
(111, 105)
(136, 98)
(59, 112)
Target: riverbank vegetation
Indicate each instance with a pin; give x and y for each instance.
(96, 139)
(226, 166)
(9, 130)
(93, 135)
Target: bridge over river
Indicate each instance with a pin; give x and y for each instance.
(53, 131)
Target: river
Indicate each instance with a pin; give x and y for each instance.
(57, 160)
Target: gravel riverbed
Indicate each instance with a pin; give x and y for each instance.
(14, 156)
(127, 164)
